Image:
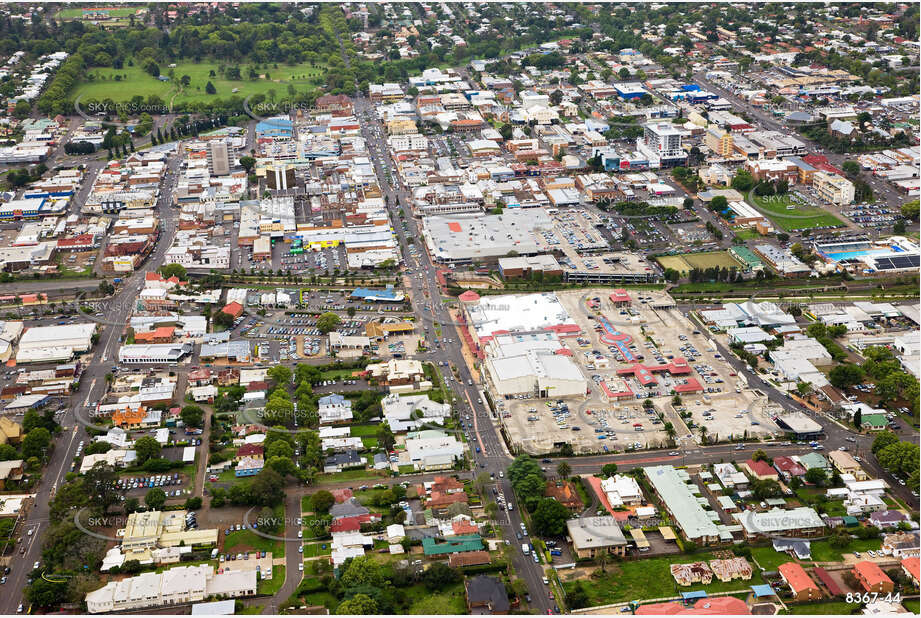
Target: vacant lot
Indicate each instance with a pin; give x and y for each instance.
(101, 83)
(800, 217)
(650, 579)
(684, 262)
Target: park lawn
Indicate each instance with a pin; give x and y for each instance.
(822, 551)
(363, 431)
(449, 600)
(651, 579)
(136, 81)
(243, 540)
(337, 374)
(271, 586)
(322, 599)
(770, 559)
(795, 219)
(350, 475)
(407, 469)
(369, 442)
(828, 608)
(746, 234)
(252, 610)
(912, 605)
(312, 550)
(113, 12)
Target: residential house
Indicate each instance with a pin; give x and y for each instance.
(564, 493)
(910, 567)
(845, 463)
(872, 578)
(801, 585)
(486, 595)
(343, 461)
(760, 470)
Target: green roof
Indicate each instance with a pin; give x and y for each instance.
(850, 521)
(874, 420)
(746, 256)
(813, 460)
(452, 545)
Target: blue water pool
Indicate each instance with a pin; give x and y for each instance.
(847, 255)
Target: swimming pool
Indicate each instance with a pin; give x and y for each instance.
(847, 255)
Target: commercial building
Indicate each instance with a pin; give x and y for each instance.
(158, 353)
(833, 188)
(463, 238)
(593, 535)
(54, 343)
(661, 141)
(799, 522)
(489, 316)
(682, 504)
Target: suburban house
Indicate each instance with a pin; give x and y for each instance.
(486, 595)
(801, 585)
(872, 578)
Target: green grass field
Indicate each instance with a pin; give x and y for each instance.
(800, 218)
(271, 586)
(114, 12)
(101, 84)
(350, 475)
(651, 579)
(312, 550)
(770, 559)
(684, 262)
(822, 551)
(243, 540)
(449, 600)
(828, 608)
(746, 233)
(913, 605)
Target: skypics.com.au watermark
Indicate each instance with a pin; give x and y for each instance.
(94, 110)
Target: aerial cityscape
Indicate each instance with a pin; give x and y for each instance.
(460, 308)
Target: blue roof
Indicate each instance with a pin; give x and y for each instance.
(695, 594)
(388, 293)
(763, 590)
(275, 126)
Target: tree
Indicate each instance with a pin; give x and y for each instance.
(210, 89)
(385, 436)
(439, 576)
(322, 501)
(223, 319)
(719, 203)
(359, 605)
(766, 488)
(846, 375)
(564, 470)
(858, 419)
(759, 455)
(362, 571)
(267, 488)
(248, 163)
(45, 593)
(550, 517)
(882, 440)
(280, 375)
(99, 487)
(328, 322)
(609, 469)
(155, 498)
(192, 416)
(817, 477)
(36, 442)
(146, 448)
(170, 270)
(910, 210)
